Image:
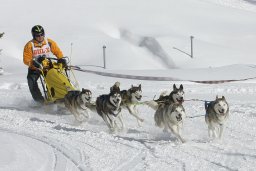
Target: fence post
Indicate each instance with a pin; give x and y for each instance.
(1, 68)
(191, 39)
(1, 35)
(104, 56)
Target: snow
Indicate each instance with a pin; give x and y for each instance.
(44, 138)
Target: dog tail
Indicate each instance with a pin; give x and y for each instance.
(115, 87)
(152, 104)
(165, 93)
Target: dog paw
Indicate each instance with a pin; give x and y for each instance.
(80, 120)
(139, 125)
(165, 130)
(112, 131)
(183, 140)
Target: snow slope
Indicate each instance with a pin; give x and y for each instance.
(223, 30)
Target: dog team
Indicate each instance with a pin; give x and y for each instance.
(169, 110)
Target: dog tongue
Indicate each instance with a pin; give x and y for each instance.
(222, 113)
(178, 118)
(180, 101)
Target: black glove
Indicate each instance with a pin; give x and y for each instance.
(63, 61)
(41, 58)
(37, 61)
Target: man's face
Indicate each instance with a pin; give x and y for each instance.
(39, 37)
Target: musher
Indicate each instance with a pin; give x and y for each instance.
(39, 47)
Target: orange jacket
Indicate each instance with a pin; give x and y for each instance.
(28, 54)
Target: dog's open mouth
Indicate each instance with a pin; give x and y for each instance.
(116, 102)
(179, 118)
(138, 98)
(221, 112)
(180, 100)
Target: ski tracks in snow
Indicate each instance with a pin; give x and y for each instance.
(74, 143)
(91, 147)
(65, 159)
(236, 150)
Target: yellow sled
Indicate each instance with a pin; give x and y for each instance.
(55, 80)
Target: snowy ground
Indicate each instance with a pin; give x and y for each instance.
(40, 139)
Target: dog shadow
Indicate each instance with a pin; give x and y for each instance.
(134, 131)
(144, 137)
(165, 136)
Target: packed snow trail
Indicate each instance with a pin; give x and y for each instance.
(90, 146)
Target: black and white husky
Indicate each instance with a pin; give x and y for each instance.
(176, 96)
(171, 117)
(217, 112)
(77, 103)
(108, 106)
(130, 101)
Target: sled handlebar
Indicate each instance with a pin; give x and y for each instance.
(39, 61)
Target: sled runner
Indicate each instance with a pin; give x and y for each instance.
(54, 78)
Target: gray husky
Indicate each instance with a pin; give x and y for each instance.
(77, 103)
(108, 106)
(217, 112)
(130, 100)
(171, 116)
(176, 96)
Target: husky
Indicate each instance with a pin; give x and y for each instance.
(217, 112)
(130, 100)
(108, 106)
(176, 96)
(77, 103)
(171, 116)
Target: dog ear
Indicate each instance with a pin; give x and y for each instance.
(174, 87)
(181, 87)
(140, 86)
(216, 97)
(83, 90)
(132, 86)
(223, 98)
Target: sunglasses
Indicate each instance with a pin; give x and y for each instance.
(39, 35)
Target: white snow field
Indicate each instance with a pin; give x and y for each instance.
(43, 139)
(140, 36)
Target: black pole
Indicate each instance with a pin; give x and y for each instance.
(1, 35)
(191, 39)
(45, 92)
(104, 57)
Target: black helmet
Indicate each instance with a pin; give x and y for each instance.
(37, 29)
